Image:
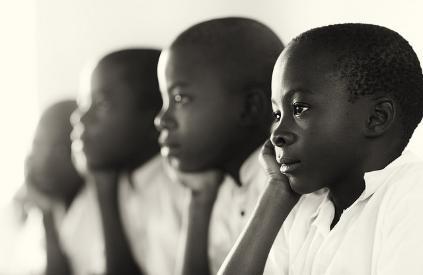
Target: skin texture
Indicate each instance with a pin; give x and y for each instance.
(317, 130)
(319, 139)
(48, 166)
(113, 124)
(116, 130)
(193, 118)
(215, 113)
(51, 179)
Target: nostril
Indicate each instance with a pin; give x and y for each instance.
(278, 141)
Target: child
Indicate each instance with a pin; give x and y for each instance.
(348, 200)
(215, 84)
(51, 179)
(119, 140)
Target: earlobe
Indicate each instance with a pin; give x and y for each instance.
(381, 118)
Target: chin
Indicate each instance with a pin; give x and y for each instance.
(187, 166)
(299, 186)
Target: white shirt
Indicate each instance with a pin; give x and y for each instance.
(81, 234)
(151, 209)
(381, 233)
(156, 213)
(232, 209)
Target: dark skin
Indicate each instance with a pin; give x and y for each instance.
(193, 121)
(113, 126)
(320, 139)
(52, 181)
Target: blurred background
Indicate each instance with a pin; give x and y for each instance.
(46, 44)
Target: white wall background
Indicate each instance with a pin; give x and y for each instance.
(71, 32)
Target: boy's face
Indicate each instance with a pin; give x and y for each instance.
(48, 167)
(199, 119)
(317, 132)
(113, 124)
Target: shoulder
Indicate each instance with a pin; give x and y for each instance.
(403, 193)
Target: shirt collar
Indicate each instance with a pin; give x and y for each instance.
(375, 179)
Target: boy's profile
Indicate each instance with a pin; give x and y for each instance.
(215, 83)
(342, 196)
(51, 180)
(115, 130)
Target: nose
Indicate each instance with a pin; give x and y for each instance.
(282, 136)
(164, 121)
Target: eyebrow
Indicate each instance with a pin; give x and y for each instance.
(294, 91)
(299, 90)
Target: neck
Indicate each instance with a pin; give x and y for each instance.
(146, 153)
(380, 157)
(233, 166)
(344, 194)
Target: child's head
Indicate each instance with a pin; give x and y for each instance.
(346, 100)
(117, 125)
(215, 82)
(48, 166)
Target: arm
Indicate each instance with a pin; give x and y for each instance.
(119, 258)
(204, 188)
(57, 262)
(249, 255)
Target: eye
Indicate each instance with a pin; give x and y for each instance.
(103, 106)
(276, 116)
(299, 109)
(181, 99)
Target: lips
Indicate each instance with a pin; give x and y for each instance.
(288, 165)
(168, 146)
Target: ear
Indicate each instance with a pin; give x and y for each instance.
(254, 109)
(381, 117)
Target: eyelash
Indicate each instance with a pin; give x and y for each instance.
(299, 108)
(276, 116)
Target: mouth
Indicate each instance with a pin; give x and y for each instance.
(288, 165)
(168, 146)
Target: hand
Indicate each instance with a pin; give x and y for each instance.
(33, 197)
(268, 161)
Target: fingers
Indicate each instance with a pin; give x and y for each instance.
(268, 160)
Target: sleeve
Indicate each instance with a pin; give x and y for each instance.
(278, 259)
(402, 238)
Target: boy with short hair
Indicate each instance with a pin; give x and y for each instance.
(116, 133)
(342, 196)
(51, 180)
(215, 84)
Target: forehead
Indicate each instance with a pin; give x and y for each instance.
(108, 74)
(189, 66)
(306, 68)
(190, 60)
(110, 81)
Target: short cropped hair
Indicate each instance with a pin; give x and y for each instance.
(244, 49)
(375, 60)
(140, 72)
